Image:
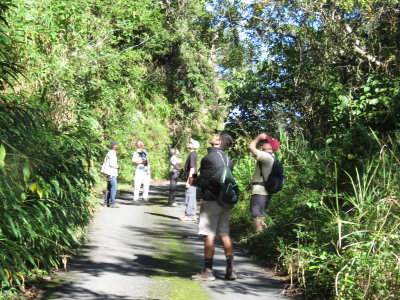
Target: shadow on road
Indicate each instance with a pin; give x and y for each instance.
(142, 249)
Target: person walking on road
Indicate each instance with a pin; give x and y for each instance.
(140, 158)
(175, 164)
(259, 196)
(190, 191)
(214, 220)
(110, 169)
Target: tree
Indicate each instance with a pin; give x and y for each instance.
(326, 66)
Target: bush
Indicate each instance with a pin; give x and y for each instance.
(334, 227)
(46, 179)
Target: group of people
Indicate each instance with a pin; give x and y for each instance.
(213, 219)
(190, 171)
(140, 159)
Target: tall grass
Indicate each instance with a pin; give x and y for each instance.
(334, 227)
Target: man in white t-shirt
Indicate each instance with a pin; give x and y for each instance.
(140, 158)
(265, 159)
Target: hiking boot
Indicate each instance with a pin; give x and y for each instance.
(204, 275)
(114, 206)
(230, 274)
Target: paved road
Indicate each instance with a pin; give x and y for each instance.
(127, 258)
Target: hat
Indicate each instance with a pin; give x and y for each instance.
(195, 144)
(112, 144)
(274, 143)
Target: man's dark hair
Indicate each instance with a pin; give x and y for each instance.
(226, 140)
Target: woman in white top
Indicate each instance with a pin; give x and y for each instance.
(174, 172)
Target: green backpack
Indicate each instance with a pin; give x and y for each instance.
(229, 190)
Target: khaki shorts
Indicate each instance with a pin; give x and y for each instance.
(214, 220)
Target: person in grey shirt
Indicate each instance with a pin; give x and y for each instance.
(175, 166)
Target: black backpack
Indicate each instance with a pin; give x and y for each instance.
(229, 190)
(276, 179)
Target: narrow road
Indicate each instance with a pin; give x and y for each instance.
(143, 251)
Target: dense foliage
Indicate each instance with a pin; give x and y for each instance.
(324, 79)
(46, 180)
(334, 234)
(132, 69)
(327, 68)
(322, 76)
(76, 75)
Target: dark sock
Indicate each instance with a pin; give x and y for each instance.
(229, 261)
(208, 263)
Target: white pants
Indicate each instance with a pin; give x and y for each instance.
(141, 177)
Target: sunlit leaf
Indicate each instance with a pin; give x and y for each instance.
(39, 191)
(27, 172)
(33, 187)
(2, 155)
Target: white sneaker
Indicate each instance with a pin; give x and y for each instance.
(184, 218)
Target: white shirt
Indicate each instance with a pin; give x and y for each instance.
(138, 156)
(110, 165)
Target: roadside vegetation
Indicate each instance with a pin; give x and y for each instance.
(321, 76)
(333, 233)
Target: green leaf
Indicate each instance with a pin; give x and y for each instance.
(373, 101)
(367, 89)
(27, 172)
(33, 187)
(13, 228)
(345, 101)
(56, 185)
(2, 155)
(4, 274)
(39, 191)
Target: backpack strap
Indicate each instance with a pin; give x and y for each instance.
(261, 172)
(227, 159)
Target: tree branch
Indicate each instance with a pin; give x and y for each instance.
(363, 52)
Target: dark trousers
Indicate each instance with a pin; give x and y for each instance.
(259, 204)
(173, 185)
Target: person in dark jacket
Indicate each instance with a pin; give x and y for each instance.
(214, 220)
